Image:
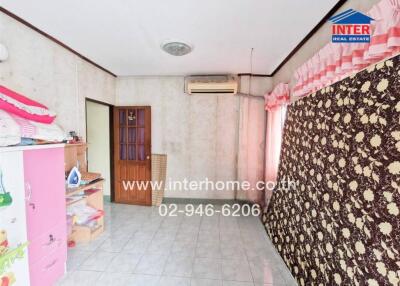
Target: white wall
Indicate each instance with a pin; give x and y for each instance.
(50, 74)
(98, 140)
(197, 132)
(252, 133)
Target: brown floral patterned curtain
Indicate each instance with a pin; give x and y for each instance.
(340, 223)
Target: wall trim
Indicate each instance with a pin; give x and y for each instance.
(330, 13)
(254, 74)
(309, 35)
(111, 131)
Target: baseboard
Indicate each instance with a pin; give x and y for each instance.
(197, 201)
(194, 201)
(107, 199)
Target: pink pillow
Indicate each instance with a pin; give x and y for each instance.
(24, 107)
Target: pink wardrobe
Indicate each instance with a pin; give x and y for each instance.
(33, 225)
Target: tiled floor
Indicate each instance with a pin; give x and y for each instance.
(141, 248)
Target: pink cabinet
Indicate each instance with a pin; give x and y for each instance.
(52, 240)
(46, 215)
(45, 189)
(49, 269)
(34, 177)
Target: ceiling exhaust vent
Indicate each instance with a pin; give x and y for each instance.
(211, 84)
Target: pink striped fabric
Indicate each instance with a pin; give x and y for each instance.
(27, 129)
(336, 61)
(279, 96)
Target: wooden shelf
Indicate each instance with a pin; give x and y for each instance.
(72, 202)
(75, 154)
(87, 197)
(81, 233)
(98, 184)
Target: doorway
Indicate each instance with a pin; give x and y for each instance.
(132, 155)
(98, 134)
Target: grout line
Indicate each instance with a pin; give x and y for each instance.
(243, 226)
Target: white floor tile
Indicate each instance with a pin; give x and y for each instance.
(93, 245)
(142, 280)
(207, 268)
(124, 263)
(232, 251)
(208, 250)
(81, 278)
(178, 265)
(236, 270)
(152, 264)
(137, 245)
(266, 272)
(174, 281)
(76, 257)
(140, 248)
(205, 282)
(98, 261)
(183, 248)
(236, 283)
(160, 245)
(114, 279)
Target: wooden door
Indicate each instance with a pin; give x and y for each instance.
(132, 155)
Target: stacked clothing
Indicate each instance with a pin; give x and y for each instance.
(82, 214)
(26, 122)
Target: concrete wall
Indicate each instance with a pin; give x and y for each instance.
(50, 74)
(197, 132)
(315, 43)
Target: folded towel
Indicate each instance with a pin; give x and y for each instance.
(10, 133)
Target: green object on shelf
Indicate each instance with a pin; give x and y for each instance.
(5, 198)
(8, 258)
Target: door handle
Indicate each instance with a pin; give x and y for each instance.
(51, 240)
(50, 265)
(148, 157)
(28, 191)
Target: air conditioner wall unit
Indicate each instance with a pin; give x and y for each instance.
(211, 84)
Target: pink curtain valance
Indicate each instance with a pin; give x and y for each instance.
(278, 96)
(335, 61)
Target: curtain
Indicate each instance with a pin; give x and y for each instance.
(278, 96)
(275, 104)
(251, 147)
(335, 61)
(340, 223)
(273, 142)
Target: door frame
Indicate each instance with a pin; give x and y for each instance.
(115, 119)
(111, 139)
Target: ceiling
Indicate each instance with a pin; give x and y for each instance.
(124, 36)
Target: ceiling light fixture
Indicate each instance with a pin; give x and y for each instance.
(176, 48)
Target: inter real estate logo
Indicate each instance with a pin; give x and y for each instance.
(351, 26)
